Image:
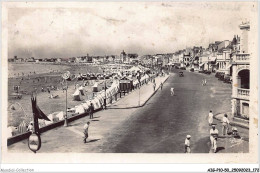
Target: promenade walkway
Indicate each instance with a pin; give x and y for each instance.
(139, 96)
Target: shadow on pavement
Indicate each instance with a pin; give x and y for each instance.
(96, 117)
(93, 140)
(76, 124)
(220, 148)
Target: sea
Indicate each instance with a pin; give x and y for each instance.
(29, 68)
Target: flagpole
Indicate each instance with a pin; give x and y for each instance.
(35, 119)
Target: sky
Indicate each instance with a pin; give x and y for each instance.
(108, 28)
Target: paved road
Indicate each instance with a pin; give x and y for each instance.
(162, 125)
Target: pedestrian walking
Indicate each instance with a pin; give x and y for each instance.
(161, 85)
(205, 82)
(154, 86)
(187, 144)
(225, 123)
(213, 137)
(210, 117)
(172, 91)
(91, 110)
(85, 131)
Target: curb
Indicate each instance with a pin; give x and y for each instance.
(153, 93)
(233, 123)
(145, 101)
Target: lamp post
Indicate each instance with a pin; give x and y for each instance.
(105, 99)
(139, 78)
(66, 76)
(66, 117)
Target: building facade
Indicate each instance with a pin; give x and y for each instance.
(241, 76)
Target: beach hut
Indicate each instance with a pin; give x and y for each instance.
(125, 84)
(95, 87)
(77, 95)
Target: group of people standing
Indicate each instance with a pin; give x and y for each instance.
(213, 132)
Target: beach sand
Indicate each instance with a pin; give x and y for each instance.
(37, 81)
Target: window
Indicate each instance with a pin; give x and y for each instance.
(245, 109)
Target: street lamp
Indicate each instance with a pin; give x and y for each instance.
(66, 76)
(66, 117)
(139, 78)
(105, 99)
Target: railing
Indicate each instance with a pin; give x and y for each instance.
(243, 93)
(243, 57)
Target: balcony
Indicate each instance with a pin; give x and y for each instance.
(242, 58)
(243, 93)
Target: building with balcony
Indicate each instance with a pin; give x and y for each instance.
(241, 76)
(223, 61)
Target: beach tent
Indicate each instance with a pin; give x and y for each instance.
(60, 115)
(71, 110)
(146, 76)
(77, 95)
(22, 127)
(100, 98)
(12, 131)
(53, 119)
(79, 109)
(102, 94)
(85, 106)
(134, 69)
(41, 123)
(9, 132)
(88, 102)
(108, 94)
(81, 90)
(96, 103)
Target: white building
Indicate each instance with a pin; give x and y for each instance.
(241, 76)
(224, 61)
